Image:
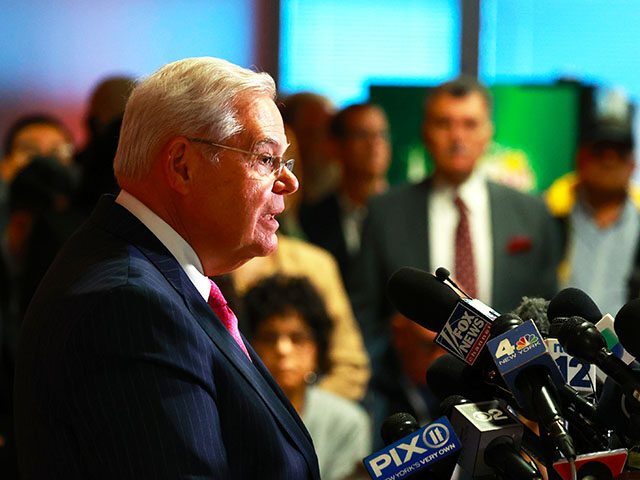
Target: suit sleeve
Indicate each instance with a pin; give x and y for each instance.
(369, 299)
(140, 393)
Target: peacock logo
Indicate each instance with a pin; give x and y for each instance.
(526, 340)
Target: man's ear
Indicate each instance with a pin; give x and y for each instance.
(177, 164)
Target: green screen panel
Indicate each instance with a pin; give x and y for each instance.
(542, 121)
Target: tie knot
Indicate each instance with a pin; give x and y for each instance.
(215, 296)
(460, 205)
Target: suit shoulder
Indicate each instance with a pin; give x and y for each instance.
(399, 194)
(503, 193)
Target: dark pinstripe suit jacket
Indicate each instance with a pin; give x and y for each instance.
(124, 372)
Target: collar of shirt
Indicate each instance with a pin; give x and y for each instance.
(177, 246)
(352, 219)
(473, 192)
(582, 211)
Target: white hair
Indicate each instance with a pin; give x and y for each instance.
(190, 97)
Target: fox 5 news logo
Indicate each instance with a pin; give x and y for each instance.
(413, 452)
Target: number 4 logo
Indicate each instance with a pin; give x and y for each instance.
(505, 347)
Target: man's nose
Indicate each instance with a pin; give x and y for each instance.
(286, 182)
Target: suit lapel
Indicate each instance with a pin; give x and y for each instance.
(499, 233)
(257, 362)
(122, 223)
(254, 372)
(415, 240)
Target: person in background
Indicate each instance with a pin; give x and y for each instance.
(349, 371)
(499, 244)
(402, 386)
(309, 114)
(598, 206)
(359, 136)
(42, 188)
(103, 120)
(95, 178)
(290, 330)
(31, 136)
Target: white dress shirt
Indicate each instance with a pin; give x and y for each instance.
(443, 221)
(352, 219)
(177, 246)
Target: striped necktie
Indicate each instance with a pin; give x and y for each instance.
(465, 270)
(219, 305)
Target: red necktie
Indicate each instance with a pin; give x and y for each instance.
(219, 305)
(465, 270)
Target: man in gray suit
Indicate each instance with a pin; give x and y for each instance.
(498, 243)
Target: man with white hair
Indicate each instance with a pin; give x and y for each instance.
(130, 363)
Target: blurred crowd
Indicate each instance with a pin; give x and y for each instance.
(316, 310)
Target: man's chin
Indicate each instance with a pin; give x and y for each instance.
(267, 247)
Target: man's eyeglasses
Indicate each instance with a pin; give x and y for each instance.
(266, 164)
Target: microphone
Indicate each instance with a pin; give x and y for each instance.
(581, 414)
(573, 301)
(402, 424)
(448, 375)
(398, 426)
(582, 340)
(626, 327)
(491, 437)
(449, 378)
(534, 308)
(442, 274)
(620, 413)
(421, 297)
(411, 454)
(462, 324)
(530, 373)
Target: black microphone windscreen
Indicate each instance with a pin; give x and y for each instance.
(504, 323)
(579, 338)
(442, 273)
(627, 327)
(561, 325)
(446, 405)
(421, 297)
(397, 426)
(573, 302)
(448, 375)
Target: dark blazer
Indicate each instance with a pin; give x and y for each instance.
(526, 252)
(124, 371)
(322, 224)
